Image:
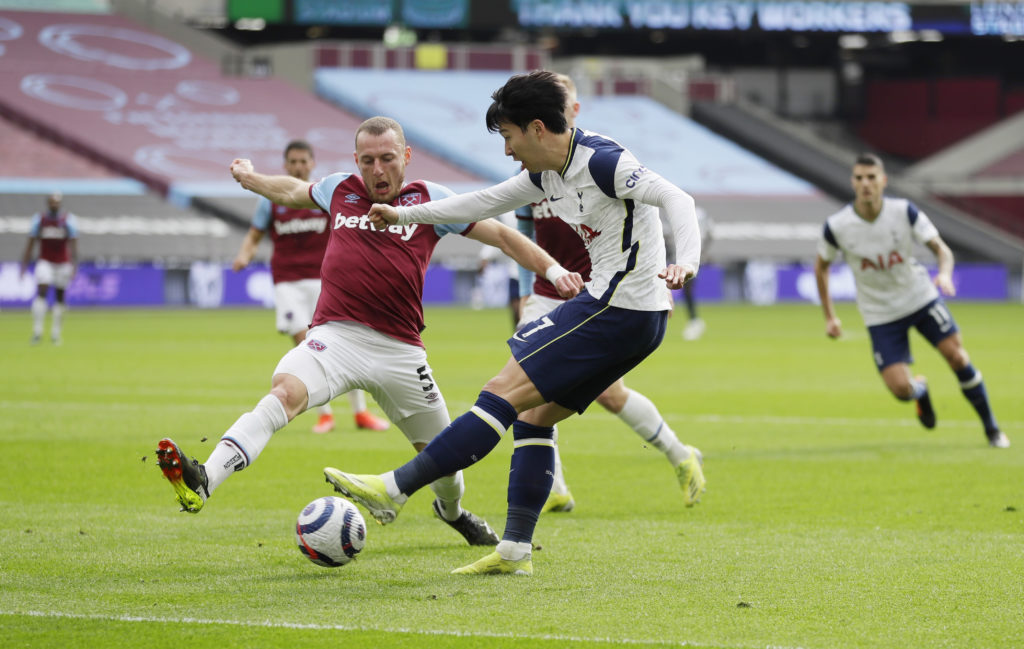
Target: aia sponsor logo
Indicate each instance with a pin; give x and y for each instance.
(316, 345)
(587, 234)
(881, 262)
(414, 198)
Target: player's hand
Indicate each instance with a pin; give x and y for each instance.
(676, 276)
(833, 327)
(382, 215)
(945, 284)
(239, 263)
(569, 285)
(240, 168)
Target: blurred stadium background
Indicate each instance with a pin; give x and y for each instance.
(133, 109)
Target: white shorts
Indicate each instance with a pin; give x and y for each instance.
(534, 306)
(337, 357)
(51, 274)
(295, 303)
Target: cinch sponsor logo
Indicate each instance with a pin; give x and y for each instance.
(635, 176)
(363, 223)
(300, 226)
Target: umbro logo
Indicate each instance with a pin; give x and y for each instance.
(352, 198)
(316, 345)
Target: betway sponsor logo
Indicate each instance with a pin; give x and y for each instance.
(301, 226)
(363, 223)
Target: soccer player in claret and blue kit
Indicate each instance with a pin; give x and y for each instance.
(300, 237)
(366, 330)
(876, 235)
(56, 230)
(562, 361)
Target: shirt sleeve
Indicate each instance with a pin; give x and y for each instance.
(262, 216)
(828, 248)
(634, 181)
(921, 226)
(33, 228)
(322, 190)
(72, 225)
(474, 206)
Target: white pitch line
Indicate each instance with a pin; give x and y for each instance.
(267, 624)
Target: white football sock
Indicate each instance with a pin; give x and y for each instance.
(513, 550)
(391, 487)
(325, 409)
(640, 414)
(245, 440)
(38, 315)
(57, 321)
(449, 490)
(358, 400)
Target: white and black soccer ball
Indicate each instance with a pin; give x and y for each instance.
(330, 531)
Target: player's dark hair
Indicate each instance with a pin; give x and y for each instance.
(869, 160)
(379, 126)
(526, 97)
(299, 145)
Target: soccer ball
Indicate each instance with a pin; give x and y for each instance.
(330, 531)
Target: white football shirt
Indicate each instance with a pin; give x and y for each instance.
(890, 282)
(610, 200)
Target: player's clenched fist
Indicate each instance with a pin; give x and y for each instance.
(241, 167)
(382, 215)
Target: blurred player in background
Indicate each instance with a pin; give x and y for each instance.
(876, 235)
(561, 362)
(300, 238)
(57, 233)
(366, 329)
(540, 222)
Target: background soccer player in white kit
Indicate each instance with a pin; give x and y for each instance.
(57, 233)
(563, 361)
(366, 333)
(540, 222)
(300, 239)
(876, 234)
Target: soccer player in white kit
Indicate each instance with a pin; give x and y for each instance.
(57, 233)
(366, 332)
(540, 222)
(876, 235)
(300, 239)
(561, 362)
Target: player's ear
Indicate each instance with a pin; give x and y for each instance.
(408, 154)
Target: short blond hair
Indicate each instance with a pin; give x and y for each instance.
(567, 81)
(379, 126)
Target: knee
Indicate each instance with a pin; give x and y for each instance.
(291, 394)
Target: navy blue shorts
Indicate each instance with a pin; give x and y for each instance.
(891, 343)
(576, 351)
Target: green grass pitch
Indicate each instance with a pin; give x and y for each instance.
(831, 520)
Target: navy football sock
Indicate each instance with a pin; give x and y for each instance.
(973, 387)
(464, 442)
(531, 473)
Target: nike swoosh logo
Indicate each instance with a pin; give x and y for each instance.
(553, 199)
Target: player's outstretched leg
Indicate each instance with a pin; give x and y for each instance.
(367, 490)
(187, 476)
(925, 412)
(973, 387)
